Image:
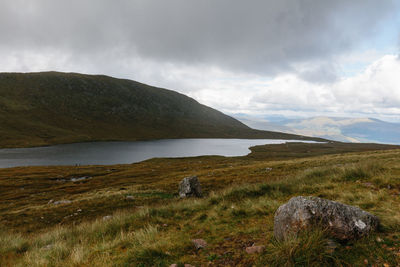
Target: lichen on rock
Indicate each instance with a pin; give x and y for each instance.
(190, 187)
(342, 222)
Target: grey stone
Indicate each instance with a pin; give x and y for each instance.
(48, 247)
(66, 201)
(199, 243)
(190, 187)
(106, 218)
(342, 222)
(77, 179)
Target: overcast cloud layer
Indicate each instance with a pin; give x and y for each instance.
(256, 57)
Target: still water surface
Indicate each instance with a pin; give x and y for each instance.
(104, 153)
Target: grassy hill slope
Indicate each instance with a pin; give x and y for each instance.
(52, 107)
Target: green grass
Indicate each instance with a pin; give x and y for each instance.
(156, 227)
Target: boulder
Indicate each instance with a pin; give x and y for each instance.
(342, 222)
(190, 187)
(199, 243)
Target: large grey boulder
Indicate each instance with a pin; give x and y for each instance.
(190, 187)
(342, 222)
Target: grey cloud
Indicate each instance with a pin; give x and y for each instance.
(263, 37)
(320, 73)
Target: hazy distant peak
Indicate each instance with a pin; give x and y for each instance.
(335, 128)
(322, 121)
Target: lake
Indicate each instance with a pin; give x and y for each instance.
(106, 153)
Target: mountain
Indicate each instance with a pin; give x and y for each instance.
(333, 128)
(348, 129)
(52, 107)
(263, 124)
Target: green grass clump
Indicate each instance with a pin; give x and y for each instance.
(309, 248)
(362, 171)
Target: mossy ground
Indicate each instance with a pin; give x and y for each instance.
(155, 228)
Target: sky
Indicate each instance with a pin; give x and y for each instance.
(265, 58)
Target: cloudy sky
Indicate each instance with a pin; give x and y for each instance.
(258, 57)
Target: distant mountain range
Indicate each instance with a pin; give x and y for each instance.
(333, 128)
(52, 107)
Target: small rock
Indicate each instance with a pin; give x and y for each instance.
(130, 197)
(50, 201)
(48, 247)
(342, 222)
(199, 243)
(378, 239)
(190, 187)
(79, 210)
(174, 265)
(66, 201)
(77, 179)
(106, 218)
(255, 249)
(189, 265)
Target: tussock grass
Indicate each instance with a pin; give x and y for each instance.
(12, 243)
(362, 171)
(309, 248)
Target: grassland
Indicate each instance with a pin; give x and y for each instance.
(154, 227)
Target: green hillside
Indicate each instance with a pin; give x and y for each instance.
(51, 107)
